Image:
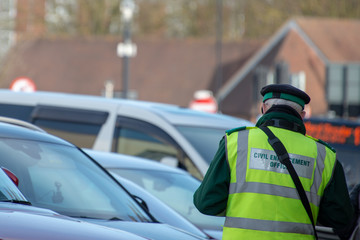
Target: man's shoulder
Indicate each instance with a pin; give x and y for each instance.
(238, 129)
(322, 142)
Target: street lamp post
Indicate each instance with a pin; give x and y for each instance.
(219, 72)
(126, 49)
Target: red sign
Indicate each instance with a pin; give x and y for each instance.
(23, 84)
(204, 101)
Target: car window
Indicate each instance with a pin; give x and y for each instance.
(168, 186)
(80, 134)
(204, 139)
(63, 179)
(21, 112)
(78, 126)
(140, 143)
(138, 138)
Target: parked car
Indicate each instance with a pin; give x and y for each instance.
(167, 184)
(21, 221)
(162, 212)
(171, 134)
(54, 174)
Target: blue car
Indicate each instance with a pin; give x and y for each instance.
(21, 221)
(55, 174)
(173, 186)
(159, 209)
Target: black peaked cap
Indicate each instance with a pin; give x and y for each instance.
(277, 89)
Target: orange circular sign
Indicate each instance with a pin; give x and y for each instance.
(23, 84)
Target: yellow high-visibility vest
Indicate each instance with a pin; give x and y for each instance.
(263, 201)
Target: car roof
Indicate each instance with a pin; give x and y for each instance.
(20, 123)
(16, 131)
(186, 116)
(117, 160)
(172, 113)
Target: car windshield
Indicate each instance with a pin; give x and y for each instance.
(63, 179)
(168, 186)
(8, 191)
(204, 140)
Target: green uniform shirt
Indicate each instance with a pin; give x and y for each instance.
(335, 211)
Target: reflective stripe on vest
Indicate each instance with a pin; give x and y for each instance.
(266, 225)
(244, 191)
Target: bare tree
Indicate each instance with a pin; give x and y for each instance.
(7, 23)
(188, 18)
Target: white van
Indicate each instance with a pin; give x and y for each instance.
(166, 133)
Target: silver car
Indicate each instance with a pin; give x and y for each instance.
(167, 133)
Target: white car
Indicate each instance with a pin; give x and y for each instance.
(171, 134)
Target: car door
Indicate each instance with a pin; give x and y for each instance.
(140, 138)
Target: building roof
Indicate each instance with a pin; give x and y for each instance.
(333, 40)
(337, 39)
(167, 71)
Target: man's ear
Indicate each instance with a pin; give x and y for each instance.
(303, 114)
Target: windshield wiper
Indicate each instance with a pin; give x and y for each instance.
(17, 201)
(88, 217)
(115, 219)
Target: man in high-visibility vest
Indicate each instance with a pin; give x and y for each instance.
(248, 184)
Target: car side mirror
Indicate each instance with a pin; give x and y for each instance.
(170, 161)
(141, 202)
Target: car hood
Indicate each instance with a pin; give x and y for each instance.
(30, 223)
(26, 209)
(154, 231)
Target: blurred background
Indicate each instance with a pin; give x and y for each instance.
(169, 50)
(207, 55)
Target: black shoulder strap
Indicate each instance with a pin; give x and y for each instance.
(284, 159)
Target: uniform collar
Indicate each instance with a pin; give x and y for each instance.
(282, 117)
